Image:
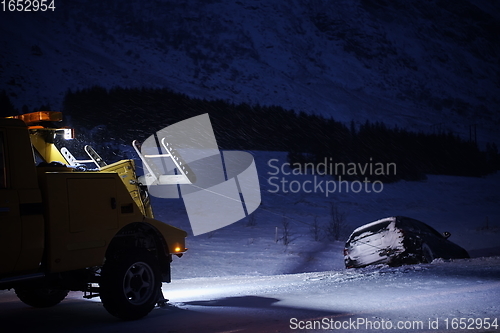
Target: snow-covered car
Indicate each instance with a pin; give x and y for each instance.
(398, 240)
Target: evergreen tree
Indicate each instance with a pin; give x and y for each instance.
(6, 106)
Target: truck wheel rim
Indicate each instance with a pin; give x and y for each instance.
(138, 283)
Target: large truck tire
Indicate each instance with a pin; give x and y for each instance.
(41, 297)
(130, 284)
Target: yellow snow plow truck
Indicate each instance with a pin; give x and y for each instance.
(66, 228)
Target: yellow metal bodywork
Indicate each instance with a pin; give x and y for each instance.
(21, 222)
(47, 150)
(82, 211)
(126, 170)
(42, 141)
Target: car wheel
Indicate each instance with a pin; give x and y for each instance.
(41, 297)
(427, 255)
(130, 284)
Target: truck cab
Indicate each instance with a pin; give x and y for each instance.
(65, 226)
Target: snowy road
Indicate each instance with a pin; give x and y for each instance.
(420, 297)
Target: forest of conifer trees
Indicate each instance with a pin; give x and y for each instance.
(130, 114)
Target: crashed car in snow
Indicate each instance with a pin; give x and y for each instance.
(398, 240)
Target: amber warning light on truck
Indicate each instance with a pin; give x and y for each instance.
(40, 116)
(34, 119)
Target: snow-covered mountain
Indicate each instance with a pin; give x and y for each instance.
(430, 65)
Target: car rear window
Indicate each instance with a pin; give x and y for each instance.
(371, 229)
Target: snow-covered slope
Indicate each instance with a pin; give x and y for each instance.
(466, 207)
(429, 65)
